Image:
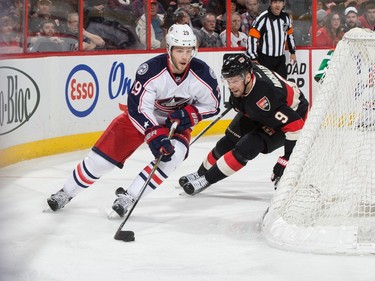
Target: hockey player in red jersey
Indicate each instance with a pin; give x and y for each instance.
(170, 87)
(271, 113)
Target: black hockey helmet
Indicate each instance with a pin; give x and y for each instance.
(236, 64)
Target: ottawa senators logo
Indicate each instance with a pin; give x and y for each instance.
(264, 104)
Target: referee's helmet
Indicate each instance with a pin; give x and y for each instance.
(236, 64)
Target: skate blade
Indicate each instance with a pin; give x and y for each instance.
(47, 209)
(112, 215)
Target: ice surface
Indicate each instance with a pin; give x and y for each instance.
(214, 236)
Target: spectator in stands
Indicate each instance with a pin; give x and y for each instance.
(90, 41)
(216, 7)
(43, 13)
(238, 38)
(139, 8)
(341, 6)
(361, 6)
(351, 19)
(169, 15)
(250, 15)
(207, 37)
(165, 4)
(321, 18)
(241, 6)
(157, 31)
(222, 19)
(16, 12)
(331, 33)
(320, 5)
(331, 6)
(184, 4)
(10, 41)
(196, 13)
(113, 21)
(358, 4)
(110, 12)
(181, 16)
(268, 36)
(48, 39)
(367, 20)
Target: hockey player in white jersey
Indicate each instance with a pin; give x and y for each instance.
(170, 87)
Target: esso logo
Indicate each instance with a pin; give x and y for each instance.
(81, 90)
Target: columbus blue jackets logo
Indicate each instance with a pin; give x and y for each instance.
(264, 104)
(142, 69)
(171, 104)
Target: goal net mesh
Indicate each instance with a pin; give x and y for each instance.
(325, 201)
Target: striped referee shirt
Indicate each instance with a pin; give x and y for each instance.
(268, 35)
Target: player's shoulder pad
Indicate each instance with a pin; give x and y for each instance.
(202, 69)
(152, 67)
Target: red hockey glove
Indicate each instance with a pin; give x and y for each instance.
(278, 170)
(187, 117)
(157, 139)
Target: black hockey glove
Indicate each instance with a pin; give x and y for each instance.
(234, 102)
(187, 117)
(157, 139)
(278, 169)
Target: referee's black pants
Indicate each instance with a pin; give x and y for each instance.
(276, 64)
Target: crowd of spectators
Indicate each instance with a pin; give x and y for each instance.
(123, 24)
(336, 18)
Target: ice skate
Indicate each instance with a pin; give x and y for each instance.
(58, 200)
(195, 186)
(190, 177)
(123, 202)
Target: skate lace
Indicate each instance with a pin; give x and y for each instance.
(125, 200)
(200, 182)
(192, 176)
(61, 198)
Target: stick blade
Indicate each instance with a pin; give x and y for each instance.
(126, 236)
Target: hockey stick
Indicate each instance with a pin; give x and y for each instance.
(210, 125)
(127, 235)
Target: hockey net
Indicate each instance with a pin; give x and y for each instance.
(325, 201)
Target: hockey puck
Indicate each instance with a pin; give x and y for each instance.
(126, 236)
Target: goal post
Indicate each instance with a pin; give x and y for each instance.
(325, 201)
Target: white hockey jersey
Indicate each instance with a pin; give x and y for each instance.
(156, 91)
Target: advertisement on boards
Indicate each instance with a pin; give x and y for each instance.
(51, 97)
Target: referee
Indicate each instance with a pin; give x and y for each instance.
(267, 37)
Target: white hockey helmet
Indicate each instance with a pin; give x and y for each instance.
(181, 35)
